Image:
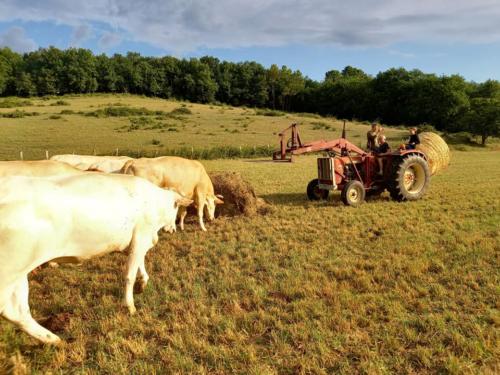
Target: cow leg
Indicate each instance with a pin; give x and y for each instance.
(182, 215)
(17, 310)
(136, 258)
(201, 209)
(143, 275)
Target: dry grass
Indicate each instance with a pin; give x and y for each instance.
(313, 288)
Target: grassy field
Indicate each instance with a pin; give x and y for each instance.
(104, 123)
(312, 287)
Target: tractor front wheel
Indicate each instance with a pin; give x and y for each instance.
(353, 193)
(314, 192)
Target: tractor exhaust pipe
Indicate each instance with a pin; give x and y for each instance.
(343, 150)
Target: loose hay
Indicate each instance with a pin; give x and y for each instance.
(239, 195)
(436, 150)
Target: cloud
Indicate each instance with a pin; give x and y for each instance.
(108, 40)
(187, 25)
(80, 34)
(16, 39)
(406, 55)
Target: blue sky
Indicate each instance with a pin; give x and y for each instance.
(439, 36)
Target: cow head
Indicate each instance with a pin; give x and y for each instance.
(211, 202)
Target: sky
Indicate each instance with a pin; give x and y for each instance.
(313, 36)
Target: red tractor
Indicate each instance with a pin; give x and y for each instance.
(353, 171)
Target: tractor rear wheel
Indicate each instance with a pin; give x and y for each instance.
(410, 178)
(314, 192)
(353, 193)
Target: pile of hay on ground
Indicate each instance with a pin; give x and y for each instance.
(436, 150)
(239, 195)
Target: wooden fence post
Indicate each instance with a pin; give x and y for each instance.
(47, 154)
(21, 155)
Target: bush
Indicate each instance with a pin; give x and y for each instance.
(115, 111)
(181, 111)
(18, 114)
(317, 125)
(144, 123)
(59, 102)
(117, 104)
(55, 117)
(156, 142)
(268, 112)
(15, 102)
(67, 112)
(425, 128)
(305, 114)
(219, 152)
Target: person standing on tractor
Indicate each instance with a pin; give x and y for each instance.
(372, 137)
(413, 140)
(383, 148)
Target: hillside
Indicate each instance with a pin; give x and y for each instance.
(104, 123)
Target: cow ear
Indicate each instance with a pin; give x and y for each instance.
(219, 199)
(182, 201)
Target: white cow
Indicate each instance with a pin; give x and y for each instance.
(37, 168)
(71, 219)
(108, 164)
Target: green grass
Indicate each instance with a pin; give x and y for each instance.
(313, 287)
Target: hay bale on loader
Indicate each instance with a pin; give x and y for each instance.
(239, 195)
(436, 150)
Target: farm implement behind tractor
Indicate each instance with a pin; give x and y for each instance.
(354, 172)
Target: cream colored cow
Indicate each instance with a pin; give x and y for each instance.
(71, 219)
(188, 177)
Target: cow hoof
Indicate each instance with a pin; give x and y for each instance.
(52, 339)
(132, 310)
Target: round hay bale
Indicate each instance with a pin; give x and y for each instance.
(239, 195)
(436, 150)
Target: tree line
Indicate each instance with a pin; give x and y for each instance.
(395, 96)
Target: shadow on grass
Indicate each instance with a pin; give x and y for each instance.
(299, 200)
